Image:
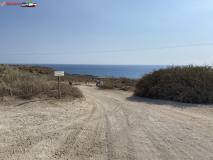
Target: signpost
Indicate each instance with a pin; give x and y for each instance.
(59, 73)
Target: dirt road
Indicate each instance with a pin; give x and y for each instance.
(106, 125)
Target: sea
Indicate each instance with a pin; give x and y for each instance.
(128, 71)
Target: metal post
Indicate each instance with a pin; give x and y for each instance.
(59, 91)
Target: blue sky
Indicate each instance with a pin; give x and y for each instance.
(90, 31)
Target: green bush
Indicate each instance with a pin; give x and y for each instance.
(191, 84)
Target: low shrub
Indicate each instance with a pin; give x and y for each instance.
(191, 84)
(26, 85)
(119, 83)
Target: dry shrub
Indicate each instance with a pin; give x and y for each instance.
(66, 91)
(49, 72)
(108, 86)
(70, 91)
(124, 80)
(26, 85)
(119, 83)
(191, 84)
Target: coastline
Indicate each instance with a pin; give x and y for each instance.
(121, 83)
(47, 71)
(111, 71)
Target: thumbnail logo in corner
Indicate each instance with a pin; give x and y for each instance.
(23, 4)
(3, 3)
(30, 4)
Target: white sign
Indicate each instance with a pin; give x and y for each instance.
(58, 73)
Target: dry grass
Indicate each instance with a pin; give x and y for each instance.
(119, 83)
(191, 84)
(109, 83)
(49, 72)
(26, 85)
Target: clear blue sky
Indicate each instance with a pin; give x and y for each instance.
(88, 31)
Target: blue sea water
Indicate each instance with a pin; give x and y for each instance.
(128, 71)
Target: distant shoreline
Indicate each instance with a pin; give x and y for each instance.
(115, 71)
(81, 76)
(92, 64)
(48, 74)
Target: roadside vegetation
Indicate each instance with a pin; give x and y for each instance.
(108, 82)
(26, 83)
(190, 84)
(49, 72)
(119, 83)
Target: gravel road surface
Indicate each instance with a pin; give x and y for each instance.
(106, 125)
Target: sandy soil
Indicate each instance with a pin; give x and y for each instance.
(106, 125)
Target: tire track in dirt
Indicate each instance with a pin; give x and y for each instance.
(110, 147)
(85, 141)
(153, 130)
(168, 145)
(130, 147)
(72, 146)
(162, 128)
(24, 144)
(113, 149)
(105, 126)
(164, 154)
